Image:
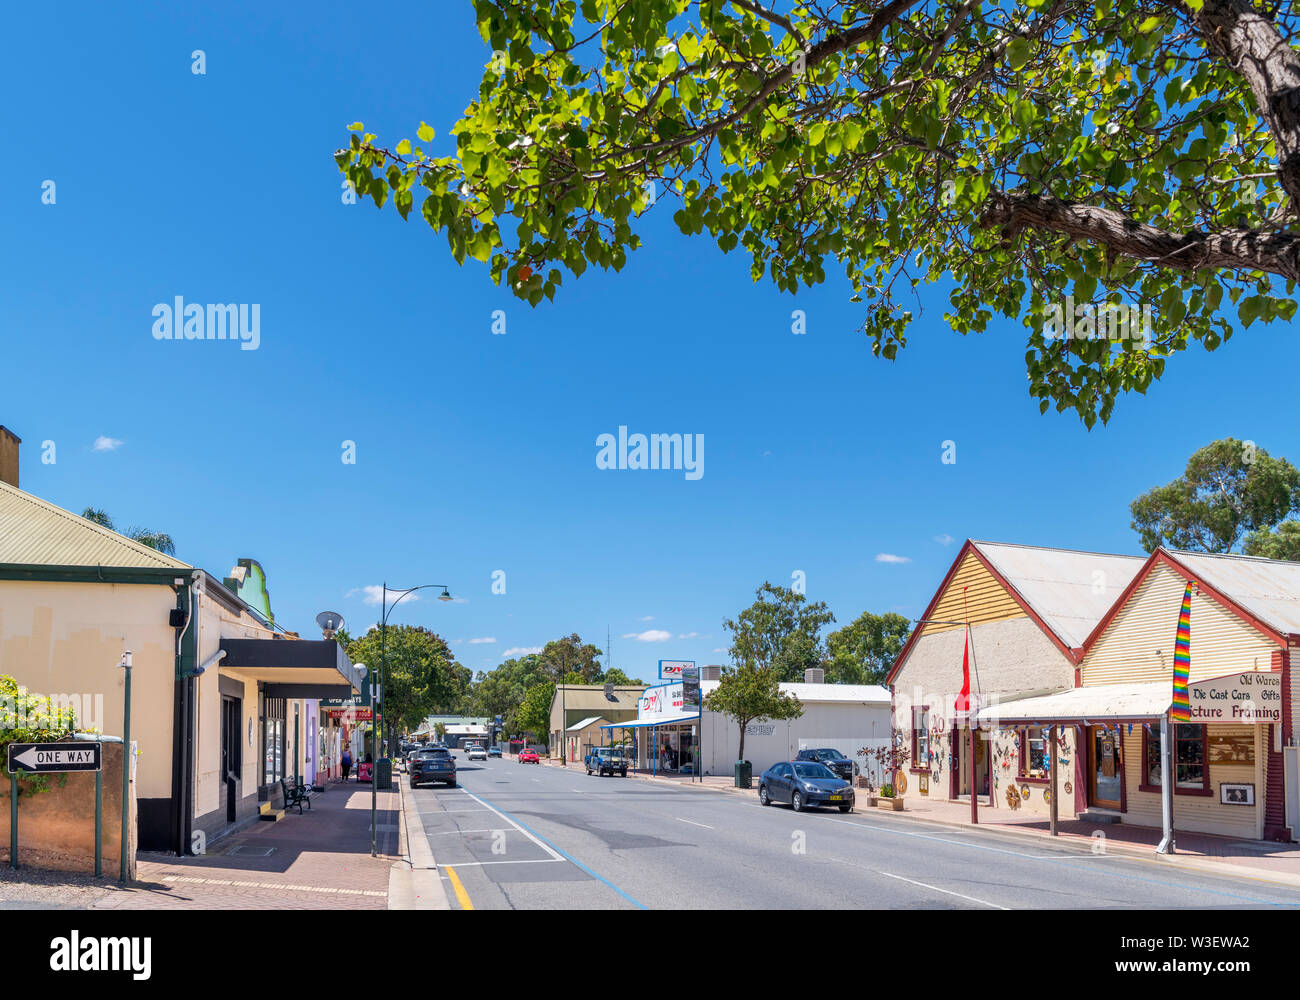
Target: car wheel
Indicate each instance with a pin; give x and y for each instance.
(623, 774)
(763, 797)
(846, 809)
(451, 784)
(588, 772)
(796, 802)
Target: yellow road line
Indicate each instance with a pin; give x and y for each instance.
(462, 896)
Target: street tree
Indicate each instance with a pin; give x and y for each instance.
(863, 651)
(1230, 488)
(781, 630)
(570, 653)
(418, 673)
(534, 714)
(751, 693)
(1028, 153)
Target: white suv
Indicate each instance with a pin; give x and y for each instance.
(475, 751)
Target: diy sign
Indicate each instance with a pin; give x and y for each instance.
(1252, 697)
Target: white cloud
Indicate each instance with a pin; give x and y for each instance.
(479, 642)
(692, 635)
(103, 443)
(650, 635)
(944, 539)
(648, 618)
(719, 650)
(374, 594)
(521, 650)
(887, 557)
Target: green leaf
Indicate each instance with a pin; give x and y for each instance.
(1018, 52)
(425, 133)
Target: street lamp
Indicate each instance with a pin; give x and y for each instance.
(375, 730)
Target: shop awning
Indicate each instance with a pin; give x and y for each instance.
(647, 723)
(1102, 703)
(579, 726)
(292, 668)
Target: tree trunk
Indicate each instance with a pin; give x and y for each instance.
(742, 740)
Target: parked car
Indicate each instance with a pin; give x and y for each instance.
(804, 784)
(410, 756)
(529, 757)
(433, 765)
(494, 751)
(843, 766)
(475, 751)
(606, 760)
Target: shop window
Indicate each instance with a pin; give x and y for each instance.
(920, 739)
(1033, 754)
(1190, 760)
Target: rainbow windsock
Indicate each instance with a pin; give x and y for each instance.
(1182, 709)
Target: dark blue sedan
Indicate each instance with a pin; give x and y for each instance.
(804, 784)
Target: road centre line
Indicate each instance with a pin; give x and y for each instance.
(692, 822)
(949, 892)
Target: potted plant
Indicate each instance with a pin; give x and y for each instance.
(883, 763)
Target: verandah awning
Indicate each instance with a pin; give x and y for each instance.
(1101, 703)
(292, 668)
(647, 723)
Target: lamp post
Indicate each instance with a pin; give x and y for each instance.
(374, 720)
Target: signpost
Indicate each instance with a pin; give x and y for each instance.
(55, 758)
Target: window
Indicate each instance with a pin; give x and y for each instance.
(1189, 758)
(920, 739)
(1033, 753)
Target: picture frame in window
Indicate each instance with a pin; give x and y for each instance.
(1235, 794)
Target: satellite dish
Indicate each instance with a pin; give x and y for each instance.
(329, 622)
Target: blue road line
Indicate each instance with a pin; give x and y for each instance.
(569, 857)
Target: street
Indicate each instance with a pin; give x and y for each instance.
(515, 836)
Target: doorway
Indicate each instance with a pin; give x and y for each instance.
(231, 758)
(962, 775)
(1105, 768)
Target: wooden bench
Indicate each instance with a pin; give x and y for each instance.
(296, 795)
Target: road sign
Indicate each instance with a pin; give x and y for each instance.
(52, 758)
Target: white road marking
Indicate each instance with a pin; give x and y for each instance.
(692, 822)
(531, 836)
(949, 892)
(452, 833)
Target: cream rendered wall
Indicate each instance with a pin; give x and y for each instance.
(216, 622)
(68, 638)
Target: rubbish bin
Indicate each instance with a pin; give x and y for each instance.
(744, 773)
(383, 774)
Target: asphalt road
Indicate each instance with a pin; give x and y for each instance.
(533, 837)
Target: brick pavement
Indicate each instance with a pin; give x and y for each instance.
(319, 860)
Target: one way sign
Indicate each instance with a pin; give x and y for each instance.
(49, 758)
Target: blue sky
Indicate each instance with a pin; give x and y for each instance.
(475, 452)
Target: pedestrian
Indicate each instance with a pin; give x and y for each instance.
(345, 763)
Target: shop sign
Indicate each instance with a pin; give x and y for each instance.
(671, 670)
(662, 703)
(691, 689)
(1252, 697)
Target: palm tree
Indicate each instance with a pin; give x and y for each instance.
(158, 540)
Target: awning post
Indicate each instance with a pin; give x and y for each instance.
(974, 774)
(1167, 779)
(1051, 770)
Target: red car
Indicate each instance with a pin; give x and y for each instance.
(529, 757)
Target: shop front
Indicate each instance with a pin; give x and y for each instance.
(664, 736)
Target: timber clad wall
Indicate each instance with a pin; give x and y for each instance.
(986, 600)
(1201, 813)
(1125, 653)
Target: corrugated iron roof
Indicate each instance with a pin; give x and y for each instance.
(870, 693)
(1148, 700)
(1267, 588)
(1070, 590)
(35, 531)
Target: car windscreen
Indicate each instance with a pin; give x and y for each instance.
(830, 754)
(811, 769)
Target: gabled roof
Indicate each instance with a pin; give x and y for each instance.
(1265, 593)
(1068, 589)
(1065, 591)
(36, 532)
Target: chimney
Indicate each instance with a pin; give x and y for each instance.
(9, 442)
(814, 675)
(713, 672)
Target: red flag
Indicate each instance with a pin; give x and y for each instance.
(962, 704)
